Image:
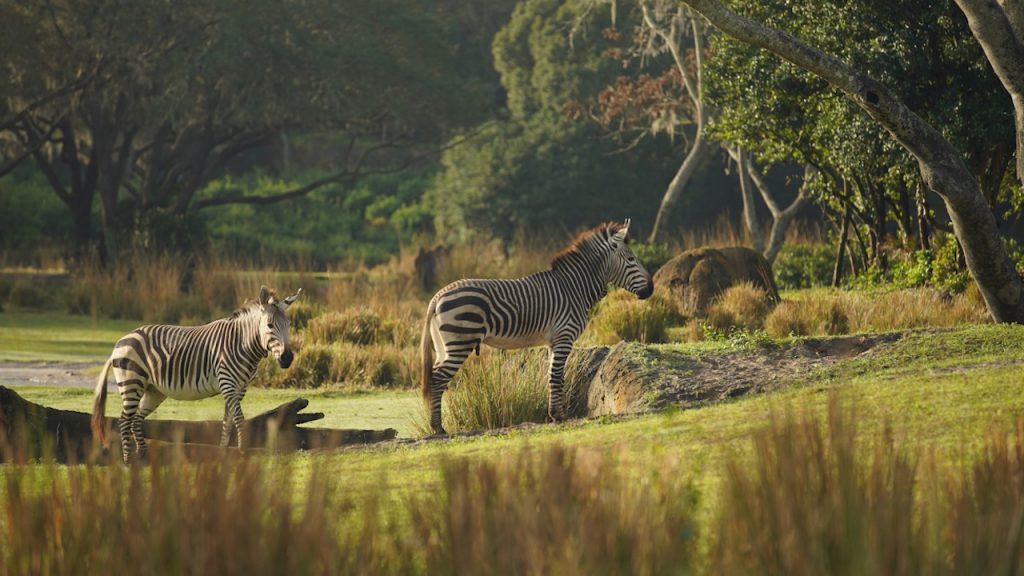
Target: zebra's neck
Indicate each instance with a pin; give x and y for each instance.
(247, 324)
(587, 276)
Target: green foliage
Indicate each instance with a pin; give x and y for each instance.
(939, 267)
(539, 167)
(31, 216)
(653, 256)
(804, 265)
(364, 222)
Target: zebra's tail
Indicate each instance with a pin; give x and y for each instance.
(99, 405)
(427, 355)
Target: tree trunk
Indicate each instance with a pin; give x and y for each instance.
(942, 166)
(997, 29)
(781, 219)
(750, 220)
(844, 235)
(696, 156)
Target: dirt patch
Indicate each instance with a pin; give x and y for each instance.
(631, 378)
(75, 374)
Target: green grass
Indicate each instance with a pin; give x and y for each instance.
(58, 337)
(941, 392)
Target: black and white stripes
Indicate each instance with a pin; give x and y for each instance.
(155, 362)
(548, 308)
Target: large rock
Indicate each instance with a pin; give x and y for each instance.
(696, 277)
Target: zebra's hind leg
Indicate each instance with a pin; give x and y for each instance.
(150, 400)
(130, 395)
(560, 350)
(440, 377)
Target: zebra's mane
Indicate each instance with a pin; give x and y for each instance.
(583, 239)
(251, 305)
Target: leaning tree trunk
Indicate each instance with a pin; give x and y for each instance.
(942, 166)
(701, 148)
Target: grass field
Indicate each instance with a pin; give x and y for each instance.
(58, 337)
(940, 393)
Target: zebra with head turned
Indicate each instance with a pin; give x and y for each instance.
(548, 308)
(155, 362)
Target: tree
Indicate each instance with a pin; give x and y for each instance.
(540, 164)
(143, 103)
(941, 165)
(925, 53)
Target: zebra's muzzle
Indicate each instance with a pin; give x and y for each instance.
(646, 291)
(286, 358)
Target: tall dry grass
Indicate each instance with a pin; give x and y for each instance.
(820, 498)
(621, 316)
(827, 312)
(558, 510)
(504, 388)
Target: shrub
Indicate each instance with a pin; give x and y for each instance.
(804, 265)
(807, 318)
(343, 364)
(356, 325)
(503, 388)
(742, 306)
(621, 316)
(302, 312)
(653, 256)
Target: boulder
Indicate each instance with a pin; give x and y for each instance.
(696, 277)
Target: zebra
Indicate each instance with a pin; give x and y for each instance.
(158, 361)
(547, 308)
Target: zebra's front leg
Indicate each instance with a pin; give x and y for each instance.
(225, 435)
(560, 350)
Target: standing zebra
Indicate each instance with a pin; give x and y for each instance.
(192, 362)
(549, 308)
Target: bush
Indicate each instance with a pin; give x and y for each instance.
(355, 325)
(501, 389)
(804, 266)
(621, 316)
(343, 364)
(653, 256)
(742, 306)
(807, 318)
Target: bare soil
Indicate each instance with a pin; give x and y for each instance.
(74, 374)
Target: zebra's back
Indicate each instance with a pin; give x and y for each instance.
(514, 313)
(180, 361)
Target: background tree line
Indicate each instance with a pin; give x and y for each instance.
(341, 130)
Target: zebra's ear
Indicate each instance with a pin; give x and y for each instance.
(291, 299)
(264, 296)
(620, 236)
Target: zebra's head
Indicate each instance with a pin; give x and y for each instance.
(624, 270)
(274, 325)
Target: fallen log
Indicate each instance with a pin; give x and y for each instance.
(29, 431)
